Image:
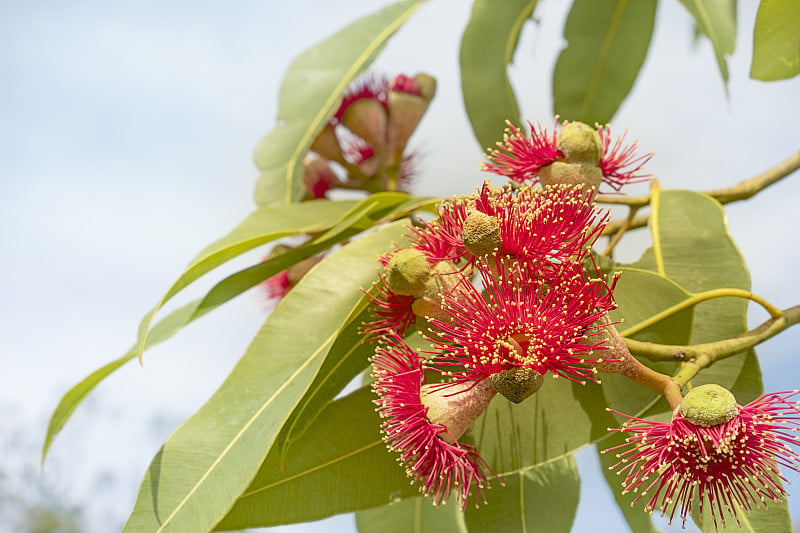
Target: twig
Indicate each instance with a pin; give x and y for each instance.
(699, 356)
(741, 191)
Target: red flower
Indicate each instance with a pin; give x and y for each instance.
(440, 467)
(734, 464)
(520, 157)
(533, 315)
(619, 163)
(557, 224)
(391, 313)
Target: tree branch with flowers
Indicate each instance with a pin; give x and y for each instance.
(434, 346)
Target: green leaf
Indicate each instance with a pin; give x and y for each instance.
(716, 19)
(416, 515)
(607, 44)
(487, 48)
(542, 498)
(692, 247)
(636, 517)
(776, 41)
(162, 331)
(560, 418)
(340, 465)
(770, 520)
(211, 458)
(348, 356)
(341, 219)
(310, 94)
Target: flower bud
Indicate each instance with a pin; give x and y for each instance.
(517, 384)
(708, 405)
(408, 273)
(427, 85)
(366, 117)
(580, 143)
(456, 406)
(481, 233)
(327, 145)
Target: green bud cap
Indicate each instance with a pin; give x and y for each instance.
(517, 384)
(427, 85)
(709, 405)
(408, 272)
(580, 143)
(481, 233)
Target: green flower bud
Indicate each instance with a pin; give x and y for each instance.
(708, 405)
(580, 143)
(481, 233)
(517, 384)
(408, 273)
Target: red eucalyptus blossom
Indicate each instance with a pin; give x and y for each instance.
(391, 313)
(731, 461)
(428, 450)
(557, 224)
(521, 158)
(533, 316)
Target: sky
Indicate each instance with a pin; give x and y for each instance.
(126, 140)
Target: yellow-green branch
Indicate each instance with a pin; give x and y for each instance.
(695, 299)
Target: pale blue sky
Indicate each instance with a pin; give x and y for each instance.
(126, 138)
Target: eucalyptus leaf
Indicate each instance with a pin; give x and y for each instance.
(716, 19)
(776, 41)
(607, 42)
(304, 108)
(487, 48)
(340, 219)
(415, 515)
(162, 331)
(540, 498)
(692, 246)
(211, 458)
(775, 517)
(340, 465)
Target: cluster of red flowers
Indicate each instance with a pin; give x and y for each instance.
(503, 286)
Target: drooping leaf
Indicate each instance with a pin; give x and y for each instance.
(211, 458)
(540, 498)
(607, 41)
(716, 19)
(310, 94)
(162, 331)
(340, 465)
(340, 219)
(415, 515)
(776, 41)
(487, 48)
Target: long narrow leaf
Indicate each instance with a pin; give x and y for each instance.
(776, 41)
(716, 19)
(210, 459)
(607, 44)
(487, 48)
